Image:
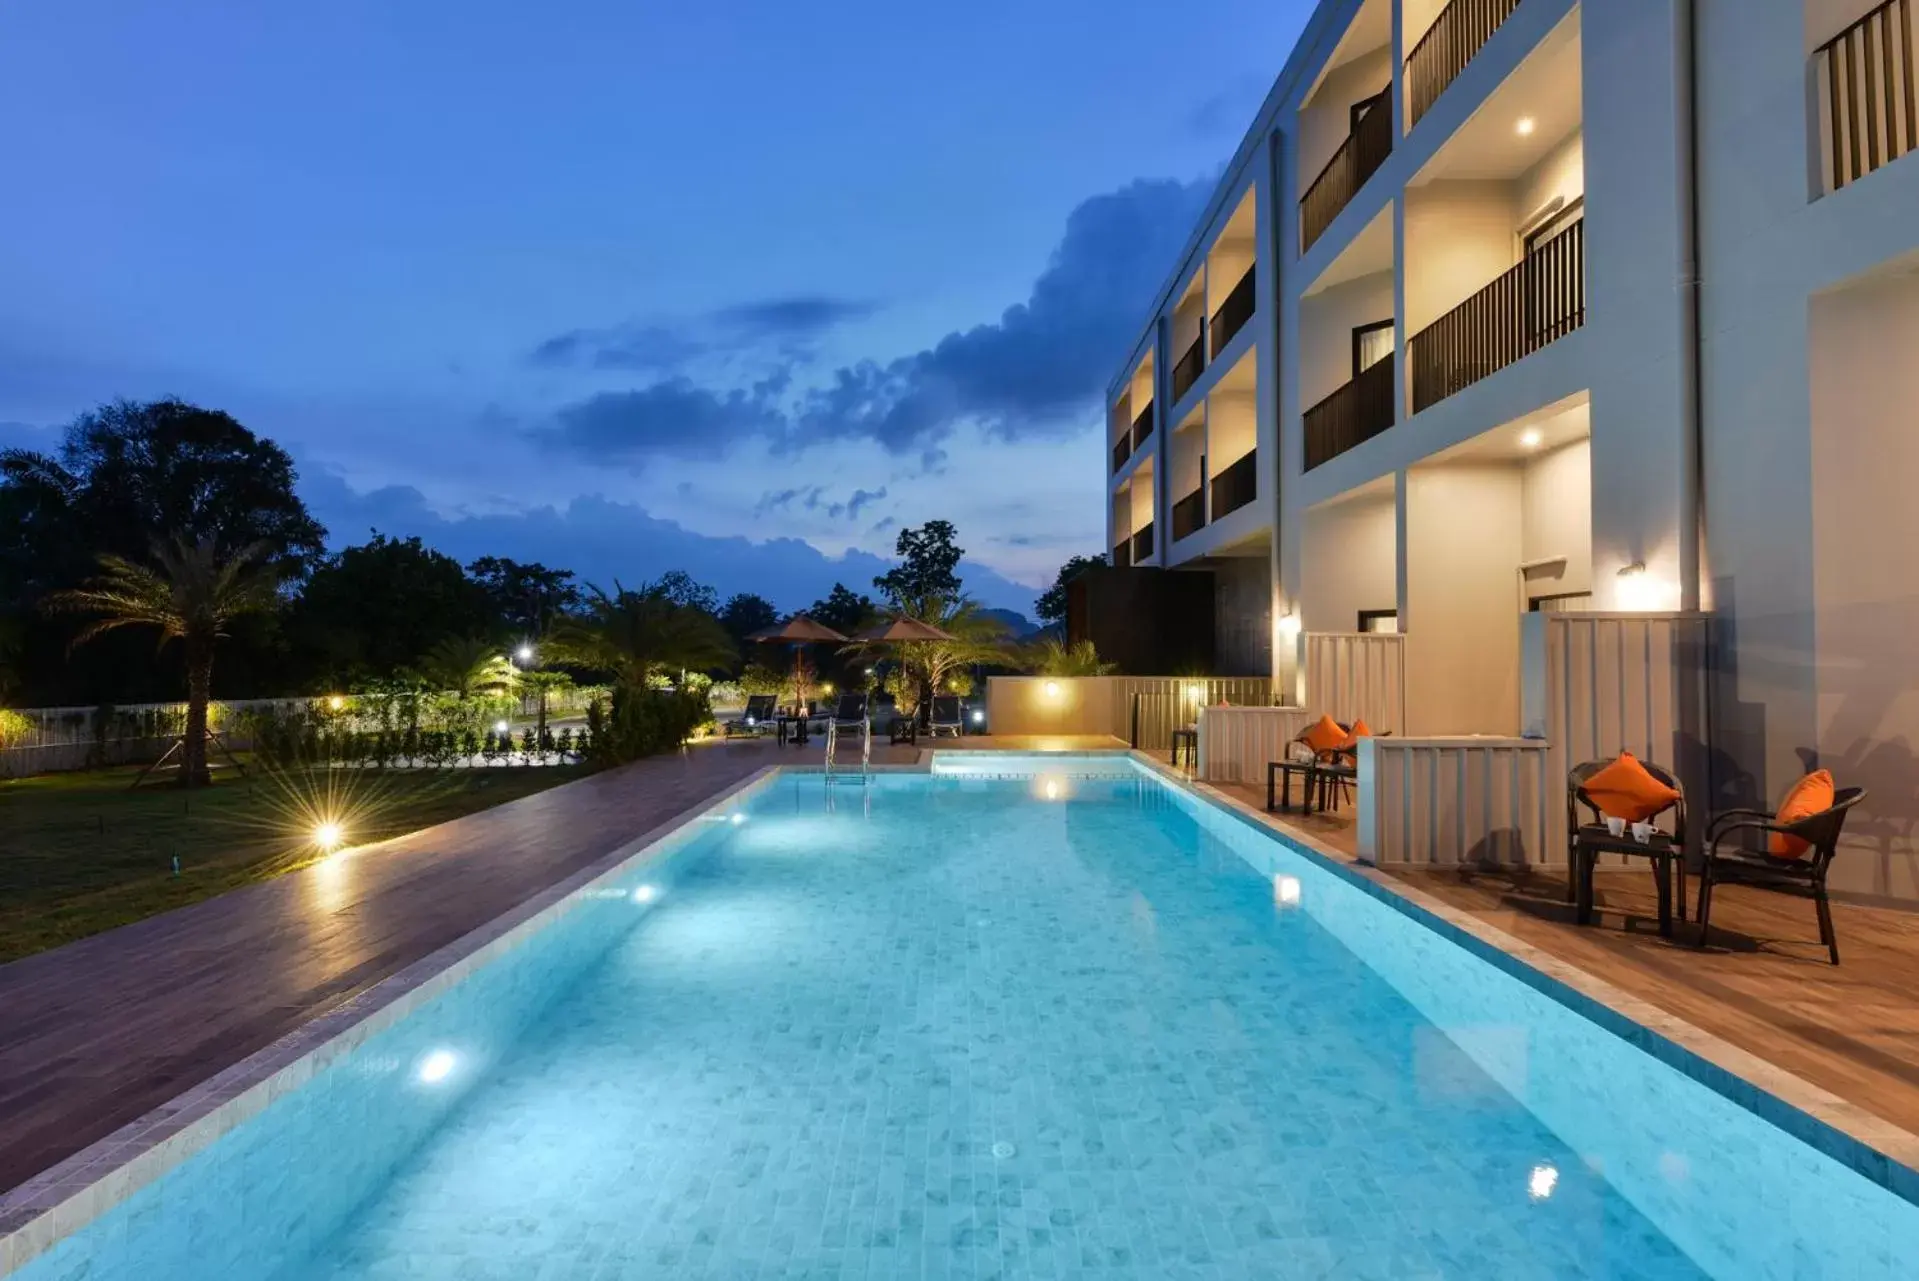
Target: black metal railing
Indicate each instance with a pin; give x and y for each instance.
(1143, 425)
(1357, 159)
(1190, 366)
(1189, 514)
(1349, 417)
(1538, 302)
(1459, 32)
(1236, 486)
(1123, 553)
(1122, 450)
(1233, 313)
(1143, 543)
(1870, 100)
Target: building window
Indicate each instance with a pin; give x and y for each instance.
(1379, 622)
(1371, 344)
(1561, 603)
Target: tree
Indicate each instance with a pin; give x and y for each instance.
(978, 638)
(679, 587)
(1052, 657)
(928, 559)
(190, 594)
(1051, 605)
(125, 477)
(374, 609)
(632, 635)
(844, 610)
(526, 598)
(744, 613)
(468, 665)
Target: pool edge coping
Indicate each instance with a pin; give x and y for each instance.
(1876, 1149)
(64, 1198)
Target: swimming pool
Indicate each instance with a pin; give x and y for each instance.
(1020, 1017)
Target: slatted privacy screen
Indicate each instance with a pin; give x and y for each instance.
(1867, 94)
(1358, 675)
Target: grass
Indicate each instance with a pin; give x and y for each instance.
(81, 853)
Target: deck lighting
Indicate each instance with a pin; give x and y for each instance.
(328, 836)
(500, 727)
(335, 703)
(1542, 1181)
(1525, 126)
(1530, 438)
(979, 717)
(436, 1066)
(524, 653)
(1052, 689)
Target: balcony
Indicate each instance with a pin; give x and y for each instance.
(1236, 486)
(1871, 108)
(1349, 417)
(1189, 514)
(1536, 303)
(1143, 425)
(1123, 553)
(1190, 366)
(1122, 450)
(1457, 34)
(1233, 313)
(1143, 543)
(1357, 159)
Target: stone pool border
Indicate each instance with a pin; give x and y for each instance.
(1876, 1149)
(67, 1197)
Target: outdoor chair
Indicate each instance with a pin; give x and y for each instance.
(758, 718)
(1587, 841)
(947, 716)
(1804, 874)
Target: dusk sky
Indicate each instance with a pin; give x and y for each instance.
(737, 288)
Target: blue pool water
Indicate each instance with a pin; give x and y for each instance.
(968, 1026)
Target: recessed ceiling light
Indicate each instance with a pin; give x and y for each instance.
(1530, 438)
(1525, 126)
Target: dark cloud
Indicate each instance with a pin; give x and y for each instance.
(638, 348)
(602, 540)
(662, 347)
(1038, 370)
(806, 316)
(862, 498)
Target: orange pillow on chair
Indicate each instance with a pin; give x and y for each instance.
(1360, 730)
(1325, 735)
(1810, 795)
(1624, 789)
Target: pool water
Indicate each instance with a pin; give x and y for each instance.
(1063, 1025)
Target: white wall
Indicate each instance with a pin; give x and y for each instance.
(1351, 562)
(1417, 17)
(1459, 239)
(1324, 126)
(1556, 517)
(1232, 429)
(1142, 493)
(1189, 446)
(1462, 614)
(1562, 173)
(1326, 324)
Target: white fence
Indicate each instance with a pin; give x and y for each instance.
(1140, 710)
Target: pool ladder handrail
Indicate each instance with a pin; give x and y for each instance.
(866, 747)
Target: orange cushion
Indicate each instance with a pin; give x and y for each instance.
(1360, 730)
(1810, 795)
(1325, 735)
(1625, 790)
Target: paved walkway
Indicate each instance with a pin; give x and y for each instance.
(99, 1032)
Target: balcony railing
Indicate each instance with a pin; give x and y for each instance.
(1233, 313)
(1236, 486)
(1871, 105)
(1538, 302)
(1459, 32)
(1189, 514)
(1143, 543)
(1143, 425)
(1190, 366)
(1123, 553)
(1357, 159)
(1349, 417)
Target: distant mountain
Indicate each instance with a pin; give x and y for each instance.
(1021, 626)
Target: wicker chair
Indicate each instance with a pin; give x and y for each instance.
(1594, 836)
(1805, 875)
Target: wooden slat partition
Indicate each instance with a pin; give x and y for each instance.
(1450, 802)
(1625, 682)
(1357, 675)
(1143, 710)
(1235, 743)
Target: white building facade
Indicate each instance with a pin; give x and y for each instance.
(1511, 307)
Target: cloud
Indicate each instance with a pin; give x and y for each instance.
(661, 346)
(862, 497)
(640, 348)
(601, 540)
(1036, 371)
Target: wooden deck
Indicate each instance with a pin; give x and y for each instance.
(1762, 982)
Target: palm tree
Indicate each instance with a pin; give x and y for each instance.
(978, 637)
(190, 593)
(1053, 657)
(467, 666)
(633, 635)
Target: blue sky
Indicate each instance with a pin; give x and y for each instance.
(733, 287)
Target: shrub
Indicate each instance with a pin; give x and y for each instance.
(641, 722)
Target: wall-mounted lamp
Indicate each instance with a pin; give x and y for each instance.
(1052, 689)
(1640, 592)
(1289, 625)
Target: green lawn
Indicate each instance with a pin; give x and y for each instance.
(81, 853)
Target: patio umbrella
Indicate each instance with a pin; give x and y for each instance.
(798, 631)
(905, 629)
